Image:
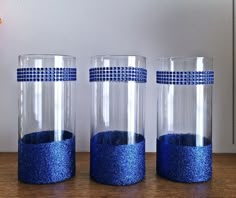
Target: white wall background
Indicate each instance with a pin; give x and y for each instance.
(83, 28)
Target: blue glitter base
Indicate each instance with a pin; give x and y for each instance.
(179, 159)
(114, 162)
(41, 160)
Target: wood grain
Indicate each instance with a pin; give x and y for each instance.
(223, 183)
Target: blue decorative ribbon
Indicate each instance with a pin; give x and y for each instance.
(114, 161)
(118, 74)
(46, 74)
(185, 77)
(42, 160)
(179, 159)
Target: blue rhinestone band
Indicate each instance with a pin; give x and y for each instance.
(179, 159)
(42, 160)
(119, 74)
(185, 77)
(46, 74)
(115, 162)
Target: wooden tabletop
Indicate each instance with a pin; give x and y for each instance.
(223, 183)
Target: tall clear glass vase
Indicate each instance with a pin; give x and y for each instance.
(117, 119)
(46, 119)
(184, 118)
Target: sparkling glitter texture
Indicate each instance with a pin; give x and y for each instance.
(179, 159)
(41, 160)
(115, 162)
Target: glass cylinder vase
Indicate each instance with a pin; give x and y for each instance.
(46, 118)
(184, 119)
(117, 143)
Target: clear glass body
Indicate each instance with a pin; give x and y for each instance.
(118, 106)
(185, 109)
(46, 105)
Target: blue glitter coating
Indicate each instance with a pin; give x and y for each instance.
(179, 159)
(115, 162)
(41, 160)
